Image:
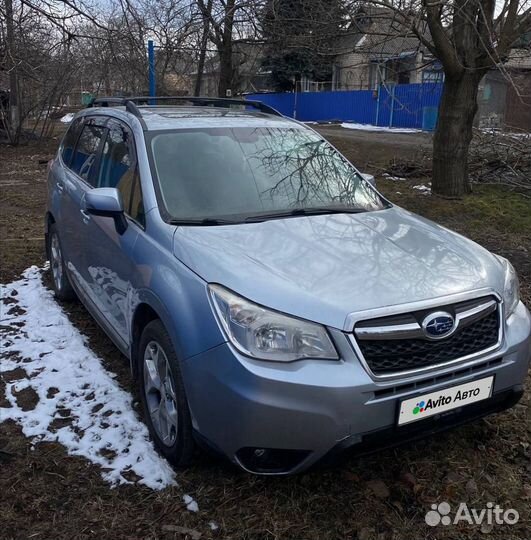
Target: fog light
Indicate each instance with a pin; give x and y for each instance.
(270, 460)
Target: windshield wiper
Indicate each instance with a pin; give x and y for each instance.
(203, 221)
(294, 212)
(315, 211)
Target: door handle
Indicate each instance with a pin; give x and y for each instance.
(86, 215)
(60, 186)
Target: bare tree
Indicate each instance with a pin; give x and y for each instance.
(473, 42)
(469, 37)
(229, 21)
(35, 52)
(11, 64)
(52, 50)
(37, 55)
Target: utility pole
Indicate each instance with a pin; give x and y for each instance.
(151, 70)
(12, 70)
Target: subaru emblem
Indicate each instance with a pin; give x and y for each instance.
(438, 325)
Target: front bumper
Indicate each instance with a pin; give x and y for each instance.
(243, 407)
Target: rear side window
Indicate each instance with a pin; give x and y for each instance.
(86, 154)
(70, 140)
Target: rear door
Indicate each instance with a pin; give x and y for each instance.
(57, 179)
(80, 175)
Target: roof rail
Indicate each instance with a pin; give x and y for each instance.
(206, 101)
(110, 101)
(132, 102)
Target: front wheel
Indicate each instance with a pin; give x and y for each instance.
(61, 285)
(163, 397)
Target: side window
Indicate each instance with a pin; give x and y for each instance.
(119, 169)
(70, 140)
(86, 154)
(118, 159)
(136, 206)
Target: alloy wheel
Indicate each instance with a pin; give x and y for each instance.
(56, 261)
(159, 388)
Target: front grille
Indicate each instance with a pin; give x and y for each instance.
(389, 356)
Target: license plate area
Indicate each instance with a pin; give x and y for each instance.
(447, 399)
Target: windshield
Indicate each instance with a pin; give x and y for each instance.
(244, 172)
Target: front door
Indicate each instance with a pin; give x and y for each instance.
(109, 256)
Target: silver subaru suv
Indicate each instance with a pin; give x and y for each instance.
(272, 304)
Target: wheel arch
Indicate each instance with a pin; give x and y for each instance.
(143, 315)
(183, 308)
(149, 308)
(49, 220)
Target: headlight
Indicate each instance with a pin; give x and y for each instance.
(269, 335)
(511, 288)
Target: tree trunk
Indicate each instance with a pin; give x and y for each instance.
(453, 135)
(225, 51)
(225, 70)
(14, 112)
(202, 52)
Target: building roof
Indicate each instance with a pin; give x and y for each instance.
(519, 59)
(377, 33)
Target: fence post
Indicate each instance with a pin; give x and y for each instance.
(151, 70)
(392, 105)
(378, 104)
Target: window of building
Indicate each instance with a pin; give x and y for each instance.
(376, 74)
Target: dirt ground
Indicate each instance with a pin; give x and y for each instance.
(371, 157)
(44, 493)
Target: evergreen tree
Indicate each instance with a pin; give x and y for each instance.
(300, 38)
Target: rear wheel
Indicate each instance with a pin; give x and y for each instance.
(61, 285)
(163, 397)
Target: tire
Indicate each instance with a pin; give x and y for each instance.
(61, 284)
(163, 397)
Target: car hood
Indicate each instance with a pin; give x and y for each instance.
(323, 268)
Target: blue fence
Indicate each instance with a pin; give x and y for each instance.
(403, 105)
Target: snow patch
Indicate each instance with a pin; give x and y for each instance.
(67, 118)
(394, 178)
(370, 127)
(80, 405)
(425, 190)
(511, 134)
(190, 503)
(361, 41)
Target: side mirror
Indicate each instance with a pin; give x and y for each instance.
(369, 178)
(107, 202)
